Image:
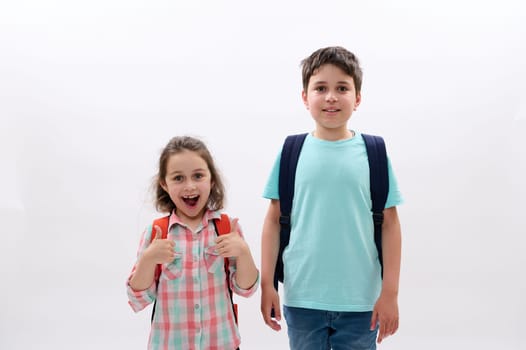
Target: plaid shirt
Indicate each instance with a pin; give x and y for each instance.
(193, 309)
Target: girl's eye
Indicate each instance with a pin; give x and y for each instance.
(198, 176)
(178, 178)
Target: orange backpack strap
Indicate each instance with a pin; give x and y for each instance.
(163, 224)
(222, 226)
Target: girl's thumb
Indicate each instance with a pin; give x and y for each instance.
(157, 233)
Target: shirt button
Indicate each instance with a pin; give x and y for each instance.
(196, 306)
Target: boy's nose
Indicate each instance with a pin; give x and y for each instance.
(330, 96)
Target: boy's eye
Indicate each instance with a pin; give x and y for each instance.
(343, 89)
(320, 89)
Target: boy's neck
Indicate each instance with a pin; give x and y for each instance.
(333, 135)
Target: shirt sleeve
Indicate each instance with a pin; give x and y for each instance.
(271, 190)
(138, 300)
(394, 196)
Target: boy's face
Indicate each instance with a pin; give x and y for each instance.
(331, 98)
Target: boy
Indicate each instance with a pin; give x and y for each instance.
(334, 294)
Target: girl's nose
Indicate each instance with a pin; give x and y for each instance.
(190, 185)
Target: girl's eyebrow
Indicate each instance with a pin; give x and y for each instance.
(182, 172)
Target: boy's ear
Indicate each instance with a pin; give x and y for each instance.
(304, 98)
(358, 99)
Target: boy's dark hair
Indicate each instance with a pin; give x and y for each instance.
(162, 200)
(335, 55)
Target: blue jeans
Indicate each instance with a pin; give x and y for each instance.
(310, 329)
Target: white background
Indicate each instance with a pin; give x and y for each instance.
(90, 91)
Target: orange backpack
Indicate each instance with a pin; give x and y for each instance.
(222, 226)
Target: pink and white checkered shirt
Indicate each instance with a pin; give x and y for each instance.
(193, 309)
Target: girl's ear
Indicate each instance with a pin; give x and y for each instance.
(162, 183)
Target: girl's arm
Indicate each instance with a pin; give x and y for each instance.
(246, 270)
(140, 287)
(386, 309)
(144, 274)
(232, 245)
(139, 298)
(158, 252)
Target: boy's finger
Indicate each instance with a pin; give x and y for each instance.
(277, 312)
(272, 322)
(374, 320)
(382, 332)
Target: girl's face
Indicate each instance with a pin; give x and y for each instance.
(188, 183)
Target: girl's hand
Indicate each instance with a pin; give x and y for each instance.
(160, 251)
(232, 244)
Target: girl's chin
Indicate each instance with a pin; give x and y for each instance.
(192, 213)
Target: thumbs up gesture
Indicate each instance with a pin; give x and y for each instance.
(160, 250)
(232, 244)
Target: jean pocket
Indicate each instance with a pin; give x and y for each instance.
(214, 261)
(174, 269)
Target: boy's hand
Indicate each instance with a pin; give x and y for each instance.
(160, 251)
(385, 314)
(269, 302)
(231, 244)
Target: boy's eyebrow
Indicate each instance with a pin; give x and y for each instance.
(345, 82)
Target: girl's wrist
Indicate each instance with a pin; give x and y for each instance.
(146, 259)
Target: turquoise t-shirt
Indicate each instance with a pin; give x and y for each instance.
(331, 262)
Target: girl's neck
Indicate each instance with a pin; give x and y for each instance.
(192, 222)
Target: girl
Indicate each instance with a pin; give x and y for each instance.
(193, 307)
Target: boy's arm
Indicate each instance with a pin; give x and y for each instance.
(269, 257)
(385, 311)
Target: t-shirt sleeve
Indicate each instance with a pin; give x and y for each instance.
(271, 190)
(394, 197)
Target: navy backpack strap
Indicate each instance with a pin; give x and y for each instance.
(287, 174)
(379, 179)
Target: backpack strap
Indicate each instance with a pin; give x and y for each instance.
(379, 182)
(222, 227)
(287, 174)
